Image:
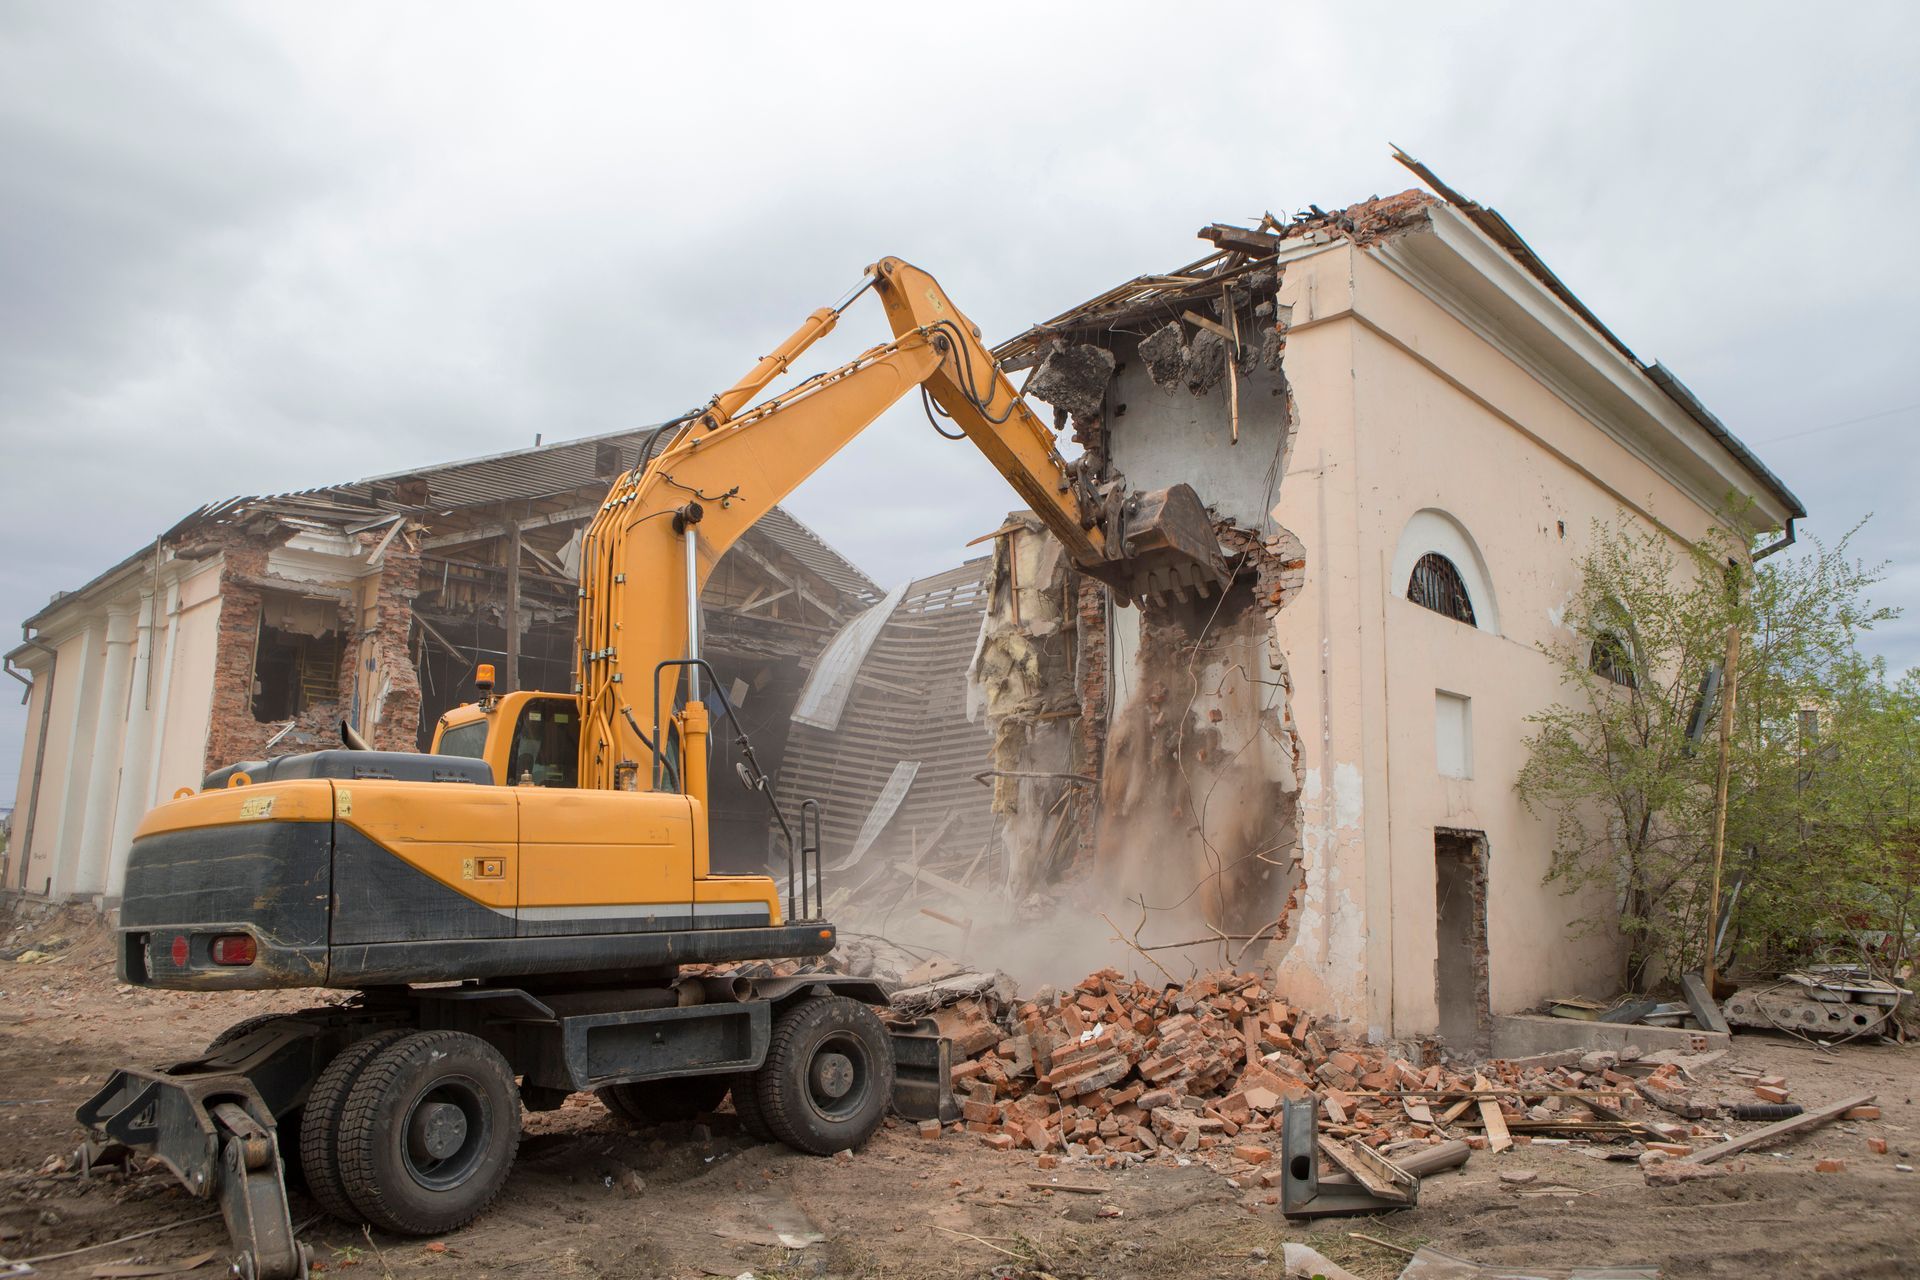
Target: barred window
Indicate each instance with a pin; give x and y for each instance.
(1436, 585)
(1612, 658)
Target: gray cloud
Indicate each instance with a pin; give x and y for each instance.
(248, 248)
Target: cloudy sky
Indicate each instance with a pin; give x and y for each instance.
(254, 247)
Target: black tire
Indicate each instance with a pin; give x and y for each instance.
(746, 1105)
(828, 1077)
(646, 1102)
(429, 1132)
(319, 1144)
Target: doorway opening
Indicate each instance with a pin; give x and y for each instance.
(1461, 986)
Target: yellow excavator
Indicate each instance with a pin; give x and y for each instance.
(515, 910)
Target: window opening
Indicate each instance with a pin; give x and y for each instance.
(1436, 585)
(293, 672)
(1612, 658)
(546, 745)
(469, 740)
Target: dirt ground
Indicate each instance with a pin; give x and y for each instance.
(590, 1196)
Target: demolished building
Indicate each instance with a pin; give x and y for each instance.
(255, 626)
(1406, 428)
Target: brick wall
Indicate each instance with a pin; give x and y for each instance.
(378, 656)
(385, 652)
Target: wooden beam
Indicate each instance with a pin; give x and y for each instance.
(764, 601)
(498, 529)
(1256, 244)
(1498, 1139)
(1779, 1129)
(781, 575)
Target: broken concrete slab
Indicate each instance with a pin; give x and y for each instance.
(1164, 353)
(1074, 378)
(1206, 361)
(1520, 1035)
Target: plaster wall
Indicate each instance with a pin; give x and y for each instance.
(188, 682)
(22, 871)
(1403, 408)
(1162, 436)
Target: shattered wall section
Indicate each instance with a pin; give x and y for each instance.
(233, 734)
(1025, 681)
(1199, 790)
(388, 680)
(1180, 709)
(373, 617)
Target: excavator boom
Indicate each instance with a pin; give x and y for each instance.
(666, 523)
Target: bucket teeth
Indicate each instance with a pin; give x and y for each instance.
(1168, 547)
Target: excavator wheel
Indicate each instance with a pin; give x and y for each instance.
(828, 1077)
(658, 1101)
(429, 1132)
(746, 1105)
(319, 1140)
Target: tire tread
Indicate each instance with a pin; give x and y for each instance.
(320, 1124)
(360, 1131)
(784, 1114)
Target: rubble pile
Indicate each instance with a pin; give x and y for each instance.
(1121, 1070)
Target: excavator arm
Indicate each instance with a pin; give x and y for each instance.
(666, 523)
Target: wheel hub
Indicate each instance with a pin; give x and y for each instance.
(439, 1129)
(832, 1075)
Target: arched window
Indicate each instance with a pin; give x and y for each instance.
(1436, 585)
(1612, 658)
(1437, 566)
(1614, 655)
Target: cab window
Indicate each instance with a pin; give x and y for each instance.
(546, 745)
(468, 740)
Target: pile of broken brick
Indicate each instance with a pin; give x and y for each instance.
(1120, 1071)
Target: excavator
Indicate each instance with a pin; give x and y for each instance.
(530, 909)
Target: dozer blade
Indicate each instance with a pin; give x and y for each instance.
(1167, 546)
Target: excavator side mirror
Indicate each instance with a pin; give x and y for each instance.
(747, 777)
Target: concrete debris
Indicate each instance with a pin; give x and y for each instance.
(1164, 352)
(1206, 361)
(1074, 378)
(1121, 1070)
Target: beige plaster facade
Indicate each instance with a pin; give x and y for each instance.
(122, 675)
(1447, 402)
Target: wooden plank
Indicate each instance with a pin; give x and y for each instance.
(1491, 1120)
(1455, 1111)
(1207, 322)
(1700, 1001)
(1779, 1129)
(1360, 1171)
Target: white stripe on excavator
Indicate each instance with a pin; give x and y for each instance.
(644, 910)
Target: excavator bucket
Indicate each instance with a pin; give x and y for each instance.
(1167, 546)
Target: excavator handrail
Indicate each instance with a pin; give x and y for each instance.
(759, 782)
